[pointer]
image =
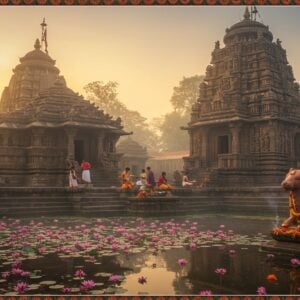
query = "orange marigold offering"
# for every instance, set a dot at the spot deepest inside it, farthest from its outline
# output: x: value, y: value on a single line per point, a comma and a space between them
x: 272, y: 278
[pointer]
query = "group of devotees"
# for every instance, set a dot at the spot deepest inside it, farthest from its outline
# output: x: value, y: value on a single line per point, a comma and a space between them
x: 145, y: 185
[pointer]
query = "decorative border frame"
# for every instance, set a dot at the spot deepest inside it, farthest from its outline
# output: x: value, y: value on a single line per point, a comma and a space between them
x: 149, y: 2
x: 86, y: 297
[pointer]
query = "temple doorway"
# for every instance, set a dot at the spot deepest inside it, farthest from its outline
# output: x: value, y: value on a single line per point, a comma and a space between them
x: 223, y: 145
x: 79, y: 150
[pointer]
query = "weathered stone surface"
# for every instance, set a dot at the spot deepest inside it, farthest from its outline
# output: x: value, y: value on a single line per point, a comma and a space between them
x: 45, y: 127
x: 245, y: 125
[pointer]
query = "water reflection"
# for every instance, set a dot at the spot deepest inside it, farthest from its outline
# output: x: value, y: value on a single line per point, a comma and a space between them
x: 234, y: 247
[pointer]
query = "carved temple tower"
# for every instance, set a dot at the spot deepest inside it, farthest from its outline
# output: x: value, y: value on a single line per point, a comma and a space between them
x: 245, y: 125
x: 44, y: 124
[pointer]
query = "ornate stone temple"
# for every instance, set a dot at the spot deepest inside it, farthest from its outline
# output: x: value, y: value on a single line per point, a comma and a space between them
x: 245, y: 125
x: 134, y: 155
x: 44, y: 124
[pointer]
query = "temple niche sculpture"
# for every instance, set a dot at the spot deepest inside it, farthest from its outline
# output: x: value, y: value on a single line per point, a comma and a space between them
x: 245, y: 125
x: 44, y: 124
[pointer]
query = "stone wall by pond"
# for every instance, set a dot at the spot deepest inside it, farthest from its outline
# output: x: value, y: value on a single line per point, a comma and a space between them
x: 272, y: 201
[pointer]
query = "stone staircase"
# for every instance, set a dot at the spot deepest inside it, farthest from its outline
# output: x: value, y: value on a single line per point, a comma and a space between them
x: 102, y: 178
x: 99, y: 201
x: 35, y: 202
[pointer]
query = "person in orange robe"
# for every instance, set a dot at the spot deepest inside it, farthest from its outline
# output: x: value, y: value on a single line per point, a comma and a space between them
x: 126, y: 183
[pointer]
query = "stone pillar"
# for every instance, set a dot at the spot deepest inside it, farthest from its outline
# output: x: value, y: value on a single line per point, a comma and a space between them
x: 100, y: 149
x: 71, y: 132
x: 37, y: 135
x: 235, y: 132
x: 272, y: 134
x: 204, y: 146
x: 192, y: 142
x: 5, y: 134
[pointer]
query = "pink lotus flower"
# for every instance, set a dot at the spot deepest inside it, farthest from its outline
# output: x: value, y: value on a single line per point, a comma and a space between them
x: 87, y: 285
x: 261, y: 290
x: 220, y: 271
x: 16, y: 271
x: 115, y: 278
x: 15, y: 254
x: 79, y: 273
x: 295, y: 261
x: 182, y: 262
x: 114, y: 246
x: 5, y: 274
x: 222, y: 226
x: 155, y: 239
x: 16, y: 264
x: 21, y: 287
x: 205, y: 293
x: 193, y: 246
x: 65, y: 290
x: 25, y: 274
x: 41, y: 250
x: 142, y: 280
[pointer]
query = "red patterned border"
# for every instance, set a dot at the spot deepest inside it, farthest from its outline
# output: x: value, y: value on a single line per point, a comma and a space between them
x: 149, y: 2
x: 86, y: 297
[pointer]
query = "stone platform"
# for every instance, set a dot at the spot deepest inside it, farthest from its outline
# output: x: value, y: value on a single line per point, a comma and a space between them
x: 278, y: 247
x: 154, y: 206
x: 110, y: 201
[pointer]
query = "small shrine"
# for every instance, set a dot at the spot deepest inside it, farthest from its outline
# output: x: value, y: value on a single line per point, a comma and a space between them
x: 134, y: 155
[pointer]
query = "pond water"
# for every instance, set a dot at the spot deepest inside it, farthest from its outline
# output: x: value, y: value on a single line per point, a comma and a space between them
x: 208, y: 254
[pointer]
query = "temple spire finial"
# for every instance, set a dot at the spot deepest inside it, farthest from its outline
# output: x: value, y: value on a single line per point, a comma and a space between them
x: 37, y: 44
x: 246, y: 14
x: 44, y: 35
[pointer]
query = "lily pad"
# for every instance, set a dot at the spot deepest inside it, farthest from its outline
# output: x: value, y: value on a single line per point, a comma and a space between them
x: 103, y: 274
x: 33, y: 287
x: 56, y: 287
x: 48, y: 282
x: 97, y: 292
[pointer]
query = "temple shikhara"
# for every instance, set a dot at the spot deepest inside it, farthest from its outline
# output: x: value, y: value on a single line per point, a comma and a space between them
x: 245, y: 125
x: 44, y: 125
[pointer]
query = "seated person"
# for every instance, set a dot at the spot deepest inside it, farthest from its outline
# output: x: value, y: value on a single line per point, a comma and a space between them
x: 203, y: 183
x: 126, y: 183
x: 142, y: 182
x: 163, y: 183
x: 186, y: 182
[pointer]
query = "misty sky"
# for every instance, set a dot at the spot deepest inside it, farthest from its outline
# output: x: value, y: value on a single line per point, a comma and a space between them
x: 147, y: 50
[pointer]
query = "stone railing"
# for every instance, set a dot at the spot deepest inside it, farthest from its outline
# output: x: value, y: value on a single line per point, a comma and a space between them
x: 234, y: 161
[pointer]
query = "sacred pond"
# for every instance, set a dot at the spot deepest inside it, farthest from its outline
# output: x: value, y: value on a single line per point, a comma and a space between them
x: 192, y: 255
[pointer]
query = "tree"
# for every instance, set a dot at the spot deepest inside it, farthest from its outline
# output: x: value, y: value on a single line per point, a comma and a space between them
x: 184, y: 96
x: 105, y: 96
x: 186, y: 93
x: 173, y: 138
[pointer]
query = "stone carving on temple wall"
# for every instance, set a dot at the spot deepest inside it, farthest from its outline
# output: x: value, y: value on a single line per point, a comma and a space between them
x: 225, y: 84
x: 197, y: 143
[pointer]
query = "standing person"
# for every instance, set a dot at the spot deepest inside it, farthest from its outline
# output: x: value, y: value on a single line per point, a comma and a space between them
x: 86, y: 174
x: 163, y: 182
x: 126, y: 183
x: 73, y: 184
x: 150, y: 179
